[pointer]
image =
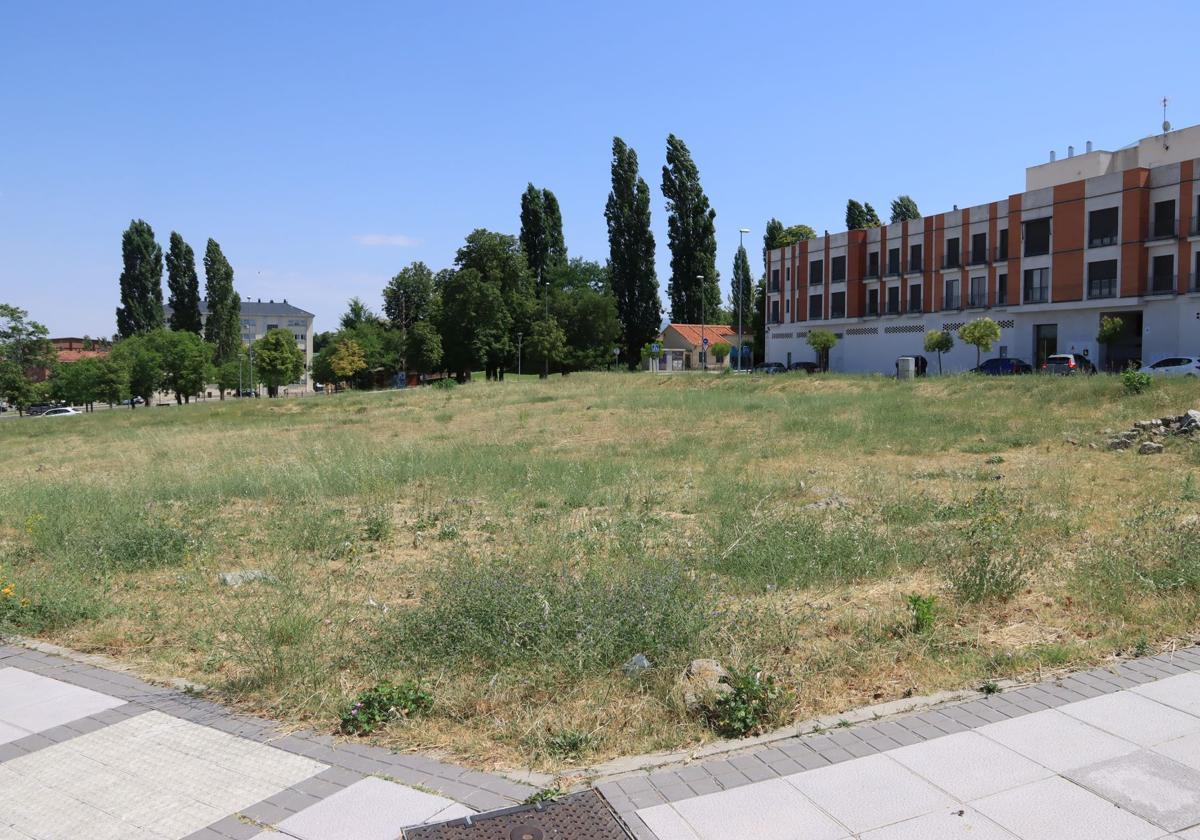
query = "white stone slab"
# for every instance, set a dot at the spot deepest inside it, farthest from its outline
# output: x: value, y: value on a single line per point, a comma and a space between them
x: 135, y: 780
x: 959, y: 824
x: 370, y: 809
x: 1055, y: 809
x: 770, y: 810
x: 1150, y: 785
x: 666, y: 823
x: 1055, y: 740
x: 455, y: 812
x: 1184, y: 750
x: 870, y: 792
x: 968, y: 765
x: 31, y: 703
x: 1134, y: 718
x: 1180, y: 692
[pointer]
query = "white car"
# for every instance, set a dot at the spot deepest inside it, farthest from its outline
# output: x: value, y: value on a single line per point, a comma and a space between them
x: 61, y: 412
x: 1174, y: 366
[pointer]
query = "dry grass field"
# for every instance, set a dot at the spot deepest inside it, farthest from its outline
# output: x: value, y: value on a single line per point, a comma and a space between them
x: 510, y: 545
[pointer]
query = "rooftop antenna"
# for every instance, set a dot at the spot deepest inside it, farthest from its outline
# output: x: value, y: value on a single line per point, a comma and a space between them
x: 1166, y: 124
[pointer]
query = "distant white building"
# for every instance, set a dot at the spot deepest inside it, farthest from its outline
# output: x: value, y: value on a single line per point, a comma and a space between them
x: 259, y: 318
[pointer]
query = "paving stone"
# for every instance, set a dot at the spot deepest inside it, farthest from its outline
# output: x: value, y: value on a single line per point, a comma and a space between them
x: 870, y: 792
x: 1150, y: 785
x: 1056, y: 740
x: 1185, y: 750
x: 32, y: 703
x: 371, y: 809
x: 956, y: 824
x: 706, y: 785
x: 771, y: 810
x: 667, y: 824
x: 1134, y: 717
x: 1180, y: 692
x: 969, y: 766
x: 1055, y: 809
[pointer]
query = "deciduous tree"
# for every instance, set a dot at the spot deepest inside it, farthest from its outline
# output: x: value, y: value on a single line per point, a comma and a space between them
x: 347, y: 360
x: 184, y: 362
x: 939, y: 341
x: 408, y: 296
x: 141, y: 281
x: 546, y: 342
x: 694, y: 287
x: 631, y: 255
x: 183, y: 286
x: 277, y: 360
x: 423, y: 347
x: 822, y: 341
x: 981, y: 334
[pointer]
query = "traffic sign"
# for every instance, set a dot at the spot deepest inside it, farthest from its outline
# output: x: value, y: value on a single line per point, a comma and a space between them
x: 705, y: 342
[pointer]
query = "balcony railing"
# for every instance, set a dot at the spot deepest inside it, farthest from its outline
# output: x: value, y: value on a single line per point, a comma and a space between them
x: 893, y: 269
x: 1163, y: 231
x: 894, y: 309
x: 977, y: 301
x: 1162, y: 284
x: 978, y: 258
x: 1195, y: 231
x: 1037, y: 294
x: 1102, y: 289
x: 952, y: 261
x: 951, y: 302
x: 1000, y: 255
x: 914, y: 266
x: 1101, y: 241
x: 873, y: 272
x: 872, y: 310
x: 1194, y: 282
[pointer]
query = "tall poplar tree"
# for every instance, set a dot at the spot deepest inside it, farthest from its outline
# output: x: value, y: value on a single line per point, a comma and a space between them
x: 740, y: 290
x: 904, y: 208
x: 691, y: 233
x: 223, y: 327
x: 141, y: 281
x: 183, y: 287
x: 631, y: 255
x: 556, y: 246
x: 533, y: 229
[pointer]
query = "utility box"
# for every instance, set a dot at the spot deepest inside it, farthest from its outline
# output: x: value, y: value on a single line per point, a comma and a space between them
x: 906, y: 367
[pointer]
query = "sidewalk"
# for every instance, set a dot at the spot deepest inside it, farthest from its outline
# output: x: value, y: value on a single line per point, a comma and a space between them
x: 88, y: 753
x: 1108, y: 754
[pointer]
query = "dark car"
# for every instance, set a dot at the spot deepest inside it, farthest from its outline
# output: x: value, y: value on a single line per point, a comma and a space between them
x: 770, y: 367
x: 807, y: 367
x: 1067, y: 363
x: 1004, y: 367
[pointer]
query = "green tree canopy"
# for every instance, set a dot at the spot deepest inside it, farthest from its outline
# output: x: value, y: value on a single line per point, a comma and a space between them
x: 981, y: 333
x: 347, y: 360
x: 498, y: 261
x: 24, y: 348
x: 139, y: 356
x: 904, y: 208
x: 1111, y: 330
x: 873, y: 220
x: 183, y: 286
x: 859, y: 216
x: 408, y: 296
x: 423, y: 347
x: 740, y: 290
x: 822, y: 341
x: 357, y: 313
x: 939, y: 341
x: 631, y: 270
x: 223, y: 328
x: 475, y: 324
x: 694, y: 288
x: 184, y: 362
x: 141, y: 281
x: 585, y: 309
x: 546, y: 342
x: 278, y: 360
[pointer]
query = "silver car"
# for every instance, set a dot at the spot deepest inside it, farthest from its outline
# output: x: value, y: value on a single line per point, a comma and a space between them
x: 1174, y: 366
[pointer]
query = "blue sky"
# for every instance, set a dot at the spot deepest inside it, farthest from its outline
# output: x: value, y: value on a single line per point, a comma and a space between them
x: 326, y: 146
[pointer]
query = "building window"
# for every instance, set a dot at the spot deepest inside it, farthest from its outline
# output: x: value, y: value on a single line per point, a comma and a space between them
x: 873, y: 264
x: 1037, y: 285
x: 893, y: 300
x: 1002, y: 248
x: 774, y: 312
x: 872, y: 301
x: 978, y: 292
x: 787, y: 306
x: 774, y: 279
x: 1037, y: 237
x: 914, y: 298
x: 1102, y: 227
x: 1162, y: 275
x: 1164, y: 220
x: 249, y: 322
x: 950, y: 300
x: 893, y: 266
x: 837, y: 305
x: 816, y: 273
x: 837, y: 270
x: 953, y: 253
x: 815, y: 303
x: 978, y: 248
x: 1102, y: 279
x: 1002, y: 290
x: 914, y: 258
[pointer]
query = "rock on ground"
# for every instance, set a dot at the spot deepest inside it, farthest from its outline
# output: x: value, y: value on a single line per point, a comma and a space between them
x: 702, y: 680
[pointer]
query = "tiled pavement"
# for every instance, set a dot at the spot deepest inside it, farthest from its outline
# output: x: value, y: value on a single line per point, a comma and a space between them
x: 1107, y: 754
x: 87, y: 752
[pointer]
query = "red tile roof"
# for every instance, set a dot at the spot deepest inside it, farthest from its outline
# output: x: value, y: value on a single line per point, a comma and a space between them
x: 713, y: 332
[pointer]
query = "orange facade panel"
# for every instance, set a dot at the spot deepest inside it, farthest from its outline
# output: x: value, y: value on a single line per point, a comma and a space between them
x: 1068, y: 226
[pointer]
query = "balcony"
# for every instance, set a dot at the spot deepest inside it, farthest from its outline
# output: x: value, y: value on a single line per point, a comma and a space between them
x: 914, y: 266
x: 978, y: 258
x: 893, y: 270
x: 873, y: 272
x: 1037, y: 294
x: 1000, y: 255
x: 1162, y: 284
x: 951, y: 302
x: 872, y: 309
x: 1195, y: 231
x: 952, y: 261
x: 1106, y: 288
x: 1194, y: 283
x: 893, y: 309
x: 1163, y: 230
x: 977, y: 301
x: 1104, y: 239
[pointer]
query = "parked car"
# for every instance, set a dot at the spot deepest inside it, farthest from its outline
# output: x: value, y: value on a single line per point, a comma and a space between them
x: 770, y: 367
x: 1174, y: 366
x: 807, y: 367
x: 1004, y: 367
x: 38, y: 409
x: 1065, y: 363
x: 60, y: 412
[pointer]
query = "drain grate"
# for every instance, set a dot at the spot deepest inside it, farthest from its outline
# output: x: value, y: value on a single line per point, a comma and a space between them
x: 580, y: 816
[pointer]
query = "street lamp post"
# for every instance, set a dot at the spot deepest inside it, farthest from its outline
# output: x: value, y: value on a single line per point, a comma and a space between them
x: 741, y: 297
x: 519, y: 353
x: 703, y: 346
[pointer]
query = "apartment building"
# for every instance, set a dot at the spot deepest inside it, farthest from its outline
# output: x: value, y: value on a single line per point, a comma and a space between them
x: 1095, y: 234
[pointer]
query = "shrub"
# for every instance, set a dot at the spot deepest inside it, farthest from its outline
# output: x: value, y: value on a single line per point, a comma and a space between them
x: 377, y: 523
x: 386, y: 703
x: 1135, y: 381
x: 445, y: 384
x: 923, y: 611
x: 746, y: 708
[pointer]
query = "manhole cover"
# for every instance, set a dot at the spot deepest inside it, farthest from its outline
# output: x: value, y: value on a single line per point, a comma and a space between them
x: 580, y: 816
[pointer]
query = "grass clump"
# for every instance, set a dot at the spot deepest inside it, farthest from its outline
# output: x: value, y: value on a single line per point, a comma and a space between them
x: 384, y: 704
x: 751, y: 703
x: 984, y: 560
x: 922, y: 610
